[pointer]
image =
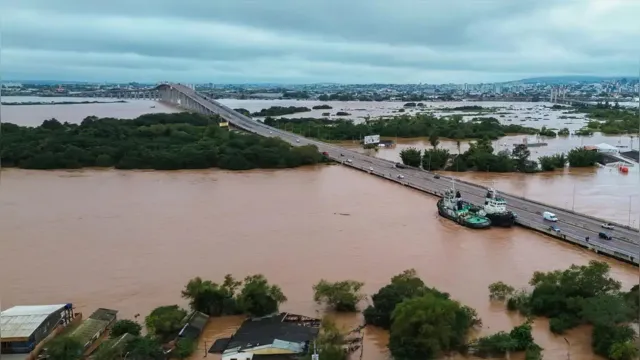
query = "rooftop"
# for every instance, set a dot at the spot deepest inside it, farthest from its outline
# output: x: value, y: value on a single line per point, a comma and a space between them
x: 194, y: 326
x: 96, y: 323
x: 22, y: 321
x: 280, y: 329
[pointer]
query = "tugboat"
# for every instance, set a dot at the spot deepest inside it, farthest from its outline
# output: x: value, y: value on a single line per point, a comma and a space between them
x: 495, y: 209
x: 452, y: 207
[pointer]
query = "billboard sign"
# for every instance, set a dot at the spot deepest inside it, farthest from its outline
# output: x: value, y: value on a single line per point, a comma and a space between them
x: 371, y: 139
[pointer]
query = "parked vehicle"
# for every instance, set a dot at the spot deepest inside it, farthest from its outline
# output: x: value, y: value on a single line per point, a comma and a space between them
x: 549, y: 216
x: 604, y: 236
x: 608, y: 226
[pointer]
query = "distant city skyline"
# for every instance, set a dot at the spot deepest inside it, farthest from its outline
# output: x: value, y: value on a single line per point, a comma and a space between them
x: 314, y: 41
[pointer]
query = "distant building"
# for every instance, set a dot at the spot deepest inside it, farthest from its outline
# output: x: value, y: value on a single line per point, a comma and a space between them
x: 24, y: 327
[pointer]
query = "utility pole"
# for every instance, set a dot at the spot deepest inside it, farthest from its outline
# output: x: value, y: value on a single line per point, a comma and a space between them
x: 573, y: 201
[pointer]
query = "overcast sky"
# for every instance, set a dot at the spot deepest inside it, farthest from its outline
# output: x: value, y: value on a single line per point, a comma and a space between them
x: 303, y: 41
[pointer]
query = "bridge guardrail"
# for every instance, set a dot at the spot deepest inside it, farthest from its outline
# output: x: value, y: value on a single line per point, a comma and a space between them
x: 542, y: 228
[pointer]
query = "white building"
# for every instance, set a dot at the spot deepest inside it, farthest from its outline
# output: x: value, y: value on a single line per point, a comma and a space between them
x: 606, y: 148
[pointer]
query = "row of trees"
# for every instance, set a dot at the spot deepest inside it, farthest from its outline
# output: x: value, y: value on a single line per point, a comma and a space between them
x: 253, y: 296
x: 405, y: 126
x: 152, y: 141
x: 480, y: 157
x: 580, y: 295
x: 423, y: 322
x: 282, y: 110
x: 611, y: 119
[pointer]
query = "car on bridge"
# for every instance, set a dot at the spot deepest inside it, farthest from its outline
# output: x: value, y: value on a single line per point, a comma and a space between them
x: 604, y: 236
x: 554, y: 228
x: 609, y: 226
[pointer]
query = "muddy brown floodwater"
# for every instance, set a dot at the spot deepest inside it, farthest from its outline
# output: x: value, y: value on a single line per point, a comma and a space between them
x: 130, y: 240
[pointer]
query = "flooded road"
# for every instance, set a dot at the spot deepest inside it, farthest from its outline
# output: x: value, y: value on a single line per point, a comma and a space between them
x: 130, y: 240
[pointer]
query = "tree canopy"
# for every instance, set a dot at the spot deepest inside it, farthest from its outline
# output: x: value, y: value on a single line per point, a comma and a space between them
x: 404, y: 126
x: 428, y: 326
x: 258, y: 297
x: 125, y: 326
x: 584, y: 294
x: 403, y: 286
x: 152, y: 141
x: 164, y: 322
x: 253, y: 296
x: 341, y: 295
x: 65, y: 348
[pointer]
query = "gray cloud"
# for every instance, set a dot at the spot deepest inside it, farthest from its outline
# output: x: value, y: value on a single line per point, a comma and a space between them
x: 297, y: 41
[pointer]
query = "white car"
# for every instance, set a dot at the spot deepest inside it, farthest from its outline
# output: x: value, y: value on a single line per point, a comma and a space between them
x: 297, y: 140
x: 270, y: 132
x: 370, y: 169
x: 608, y: 226
x: 400, y: 176
x: 349, y: 161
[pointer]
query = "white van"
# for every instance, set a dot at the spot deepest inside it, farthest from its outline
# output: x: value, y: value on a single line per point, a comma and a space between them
x: 549, y: 216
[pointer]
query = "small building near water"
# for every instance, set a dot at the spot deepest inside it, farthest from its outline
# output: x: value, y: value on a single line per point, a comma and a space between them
x: 606, y: 148
x: 94, y: 327
x: 22, y: 328
x: 279, y: 336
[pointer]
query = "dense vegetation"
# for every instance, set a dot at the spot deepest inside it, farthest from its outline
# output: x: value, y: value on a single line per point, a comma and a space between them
x: 503, y: 343
x: 424, y: 323
x: 580, y: 295
x: 322, y: 107
x: 254, y: 296
x: 152, y: 141
x: 611, y: 119
x: 405, y: 126
x: 480, y: 157
x: 281, y: 110
x: 340, y: 296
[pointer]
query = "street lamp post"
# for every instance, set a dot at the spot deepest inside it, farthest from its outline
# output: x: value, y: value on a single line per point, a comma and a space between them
x: 573, y: 200
x: 568, y: 348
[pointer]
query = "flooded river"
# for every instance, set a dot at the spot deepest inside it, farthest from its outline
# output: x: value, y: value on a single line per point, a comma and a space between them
x: 130, y: 240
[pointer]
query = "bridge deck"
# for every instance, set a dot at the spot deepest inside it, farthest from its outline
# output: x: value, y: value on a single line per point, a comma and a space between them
x: 576, y: 227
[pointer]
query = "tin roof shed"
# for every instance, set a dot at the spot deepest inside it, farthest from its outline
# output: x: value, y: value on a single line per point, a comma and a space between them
x: 21, y: 321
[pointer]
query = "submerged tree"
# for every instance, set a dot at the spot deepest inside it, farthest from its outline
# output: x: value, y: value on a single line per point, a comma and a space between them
x: 341, y: 295
x: 258, y: 297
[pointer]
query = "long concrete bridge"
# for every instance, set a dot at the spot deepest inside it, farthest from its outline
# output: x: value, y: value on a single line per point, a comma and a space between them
x: 575, y: 227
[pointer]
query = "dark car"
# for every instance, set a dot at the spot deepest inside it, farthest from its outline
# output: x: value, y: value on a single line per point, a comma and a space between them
x: 554, y: 228
x: 436, y: 176
x: 401, y: 166
x: 604, y: 236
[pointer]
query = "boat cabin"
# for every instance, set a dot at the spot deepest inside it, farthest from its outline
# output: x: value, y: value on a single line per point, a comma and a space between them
x: 493, y: 201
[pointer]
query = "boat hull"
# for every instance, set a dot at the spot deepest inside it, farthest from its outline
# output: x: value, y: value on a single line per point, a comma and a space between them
x: 505, y: 220
x: 442, y: 211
